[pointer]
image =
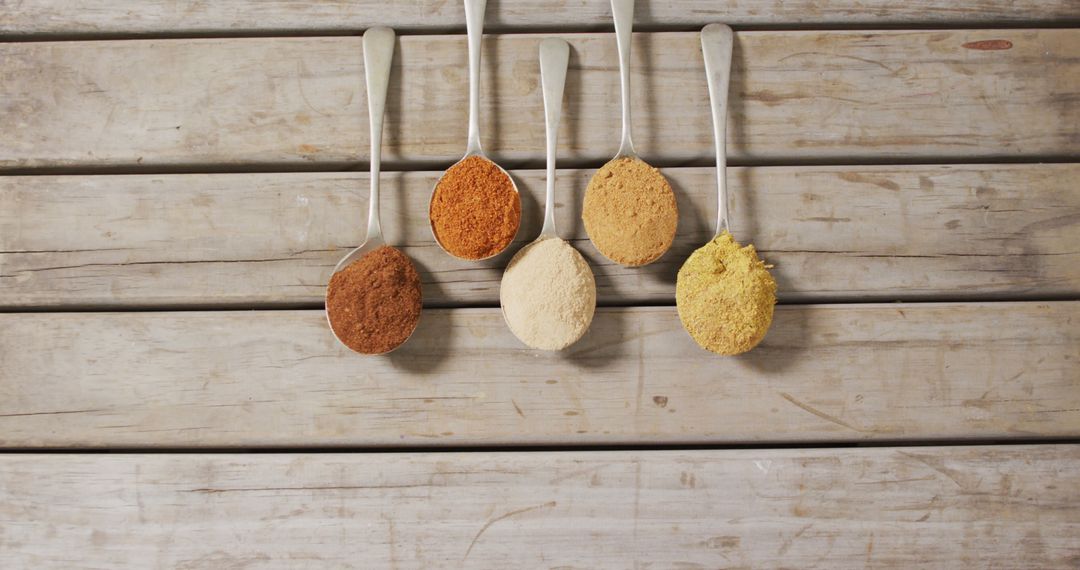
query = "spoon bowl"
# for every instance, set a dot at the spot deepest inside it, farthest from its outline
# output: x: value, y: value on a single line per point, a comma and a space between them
x: 431, y: 202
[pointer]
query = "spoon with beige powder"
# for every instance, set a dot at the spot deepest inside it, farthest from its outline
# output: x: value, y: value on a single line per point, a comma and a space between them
x: 629, y: 212
x: 724, y: 292
x: 548, y: 293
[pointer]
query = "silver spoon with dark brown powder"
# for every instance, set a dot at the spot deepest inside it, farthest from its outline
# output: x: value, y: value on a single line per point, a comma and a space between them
x: 373, y: 300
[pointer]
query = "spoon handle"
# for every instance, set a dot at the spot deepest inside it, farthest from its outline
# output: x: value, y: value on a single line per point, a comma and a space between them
x: 378, y: 53
x: 474, y: 25
x: 716, y: 44
x: 623, y: 13
x: 554, y: 57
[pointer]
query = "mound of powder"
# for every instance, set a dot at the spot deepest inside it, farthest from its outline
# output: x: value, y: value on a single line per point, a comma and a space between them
x: 373, y: 304
x: 548, y: 295
x: 725, y: 296
x: 630, y: 212
x: 475, y: 211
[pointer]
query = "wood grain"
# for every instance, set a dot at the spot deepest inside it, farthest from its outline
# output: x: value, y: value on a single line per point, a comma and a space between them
x: 259, y: 240
x: 298, y: 102
x: 824, y: 373
x: 926, y: 507
x: 33, y: 17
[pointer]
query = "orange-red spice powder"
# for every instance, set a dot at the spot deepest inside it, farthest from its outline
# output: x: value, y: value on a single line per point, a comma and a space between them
x: 475, y: 210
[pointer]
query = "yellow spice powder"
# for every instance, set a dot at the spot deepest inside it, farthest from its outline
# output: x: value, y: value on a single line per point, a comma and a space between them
x: 630, y: 212
x: 725, y: 296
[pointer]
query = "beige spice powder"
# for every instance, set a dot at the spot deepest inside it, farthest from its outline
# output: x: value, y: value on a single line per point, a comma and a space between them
x: 548, y: 294
x: 630, y: 212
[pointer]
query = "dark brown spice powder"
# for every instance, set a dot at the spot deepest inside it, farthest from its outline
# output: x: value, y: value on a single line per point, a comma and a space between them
x: 475, y: 211
x: 374, y: 303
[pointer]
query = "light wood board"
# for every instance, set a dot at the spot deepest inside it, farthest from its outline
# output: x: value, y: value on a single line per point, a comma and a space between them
x: 31, y: 17
x: 298, y: 102
x: 907, y: 232
x: 832, y: 232
x: 98, y: 211
x: 999, y: 507
x: 824, y: 373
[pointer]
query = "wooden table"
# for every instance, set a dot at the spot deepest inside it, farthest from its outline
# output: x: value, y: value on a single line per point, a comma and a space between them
x: 177, y: 180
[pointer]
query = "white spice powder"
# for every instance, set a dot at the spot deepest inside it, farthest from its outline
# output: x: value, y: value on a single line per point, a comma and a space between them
x: 548, y: 295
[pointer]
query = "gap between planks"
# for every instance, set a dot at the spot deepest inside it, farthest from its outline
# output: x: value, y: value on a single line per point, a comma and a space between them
x: 575, y: 448
x: 226, y: 307
x: 12, y: 37
x: 54, y: 18
x: 393, y: 167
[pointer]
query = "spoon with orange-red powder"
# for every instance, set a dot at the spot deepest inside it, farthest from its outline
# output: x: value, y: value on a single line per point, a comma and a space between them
x: 475, y: 208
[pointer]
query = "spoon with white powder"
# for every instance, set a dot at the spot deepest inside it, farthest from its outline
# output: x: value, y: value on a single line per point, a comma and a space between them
x: 548, y: 293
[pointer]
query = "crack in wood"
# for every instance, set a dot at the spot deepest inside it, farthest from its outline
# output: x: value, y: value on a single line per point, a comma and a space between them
x: 52, y: 413
x: 505, y: 516
x: 212, y: 490
x: 822, y: 414
x: 127, y: 263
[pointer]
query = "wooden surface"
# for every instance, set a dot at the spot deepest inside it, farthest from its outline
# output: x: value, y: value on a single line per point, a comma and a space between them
x: 907, y: 232
x: 152, y: 158
x: 167, y: 17
x: 297, y: 102
x: 999, y: 507
x: 824, y: 373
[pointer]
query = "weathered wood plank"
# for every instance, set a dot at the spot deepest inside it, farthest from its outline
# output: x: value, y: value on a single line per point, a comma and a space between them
x: 298, y: 101
x: 824, y: 373
x: 884, y: 233
x: 31, y: 17
x: 926, y: 507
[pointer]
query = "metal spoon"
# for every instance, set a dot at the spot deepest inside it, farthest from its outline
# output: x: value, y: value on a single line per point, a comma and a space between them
x: 554, y: 57
x: 378, y: 54
x: 704, y: 287
x: 474, y: 24
x: 717, y: 41
x: 616, y: 247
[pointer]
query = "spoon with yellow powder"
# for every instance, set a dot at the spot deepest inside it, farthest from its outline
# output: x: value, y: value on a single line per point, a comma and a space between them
x: 724, y: 292
x: 629, y: 211
x: 548, y: 293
